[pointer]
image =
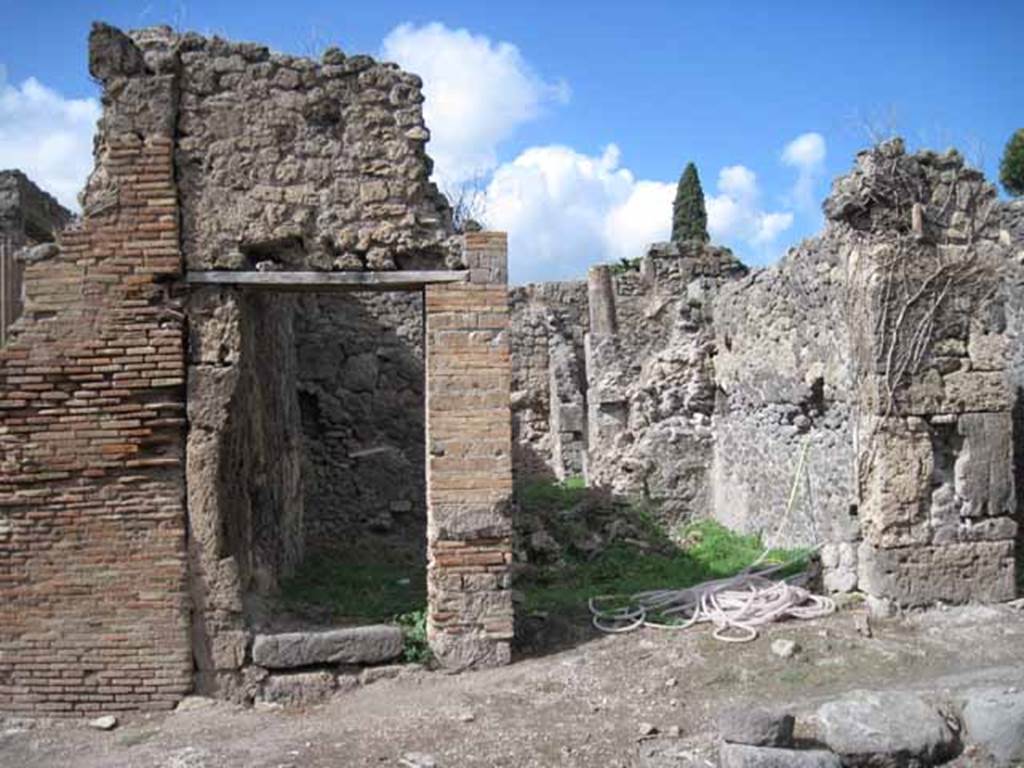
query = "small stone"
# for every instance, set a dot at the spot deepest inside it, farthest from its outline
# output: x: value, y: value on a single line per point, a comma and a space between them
x: 673, y: 732
x: 746, y: 756
x: 757, y: 727
x: 418, y: 760
x: 784, y: 648
x: 647, y: 729
x: 104, y: 723
x: 466, y: 716
x: 671, y: 683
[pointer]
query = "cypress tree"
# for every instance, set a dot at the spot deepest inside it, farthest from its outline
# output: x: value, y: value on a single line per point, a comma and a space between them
x: 1011, y: 169
x: 689, y: 217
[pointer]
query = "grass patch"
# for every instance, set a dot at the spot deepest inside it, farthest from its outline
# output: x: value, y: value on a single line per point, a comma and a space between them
x: 558, y: 495
x: 708, y: 551
x: 350, y: 587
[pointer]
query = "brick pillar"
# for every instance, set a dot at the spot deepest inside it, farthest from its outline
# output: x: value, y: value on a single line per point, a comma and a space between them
x: 469, y: 465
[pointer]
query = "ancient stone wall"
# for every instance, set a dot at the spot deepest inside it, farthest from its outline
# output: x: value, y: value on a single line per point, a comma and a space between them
x: 549, y: 321
x: 784, y: 406
x: 94, y: 612
x: 929, y: 276
x: 245, y: 494
x: 360, y: 384
x: 28, y: 217
x: 650, y: 382
x: 317, y: 165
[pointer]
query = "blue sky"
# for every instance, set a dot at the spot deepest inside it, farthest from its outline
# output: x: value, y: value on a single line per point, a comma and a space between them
x: 581, y: 115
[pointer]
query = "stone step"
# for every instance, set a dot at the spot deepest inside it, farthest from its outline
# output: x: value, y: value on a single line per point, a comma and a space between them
x: 352, y: 645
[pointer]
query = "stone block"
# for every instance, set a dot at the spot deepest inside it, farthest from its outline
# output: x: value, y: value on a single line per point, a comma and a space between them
x: 888, y: 728
x: 298, y: 688
x: 958, y: 573
x: 994, y: 719
x: 756, y: 726
x: 745, y: 756
x: 356, y: 645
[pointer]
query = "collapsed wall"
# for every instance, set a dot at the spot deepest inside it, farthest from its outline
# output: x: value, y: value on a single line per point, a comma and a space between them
x: 859, y: 396
x: 28, y: 217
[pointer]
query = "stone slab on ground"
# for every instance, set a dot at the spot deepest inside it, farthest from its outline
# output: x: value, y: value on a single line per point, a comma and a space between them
x: 746, y: 756
x: 296, y: 688
x: 355, y: 645
x: 756, y: 726
x: 888, y: 728
x: 994, y: 719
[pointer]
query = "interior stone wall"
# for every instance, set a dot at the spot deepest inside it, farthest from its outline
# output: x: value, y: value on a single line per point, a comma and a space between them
x: 245, y: 488
x: 785, y: 405
x: 360, y: 388
x: 650, y: 378
x: 549, y: 322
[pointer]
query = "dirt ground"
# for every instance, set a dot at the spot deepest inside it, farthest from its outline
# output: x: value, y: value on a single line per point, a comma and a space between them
x: 584, y: 705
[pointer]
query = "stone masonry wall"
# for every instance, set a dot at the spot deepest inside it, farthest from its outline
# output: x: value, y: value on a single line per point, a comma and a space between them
x: 93, y: 606
x: 650, y: 382
x: 28, y: 217
x: 360, y: 381
x: 245, y: 494
x: 549, y: 321
x: 784, y: 407
x: 314, y: 165
x: 930, y: 273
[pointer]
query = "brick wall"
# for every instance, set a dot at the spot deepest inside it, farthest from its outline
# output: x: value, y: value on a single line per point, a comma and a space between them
x: 469, y: 474
x: 93, y: 613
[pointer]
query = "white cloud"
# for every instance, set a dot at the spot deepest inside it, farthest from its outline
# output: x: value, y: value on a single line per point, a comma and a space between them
x: 477, y: 92
x: 735, y: 214
x: 47, y: 136
x: 805, y: 153
x: 564, y: 210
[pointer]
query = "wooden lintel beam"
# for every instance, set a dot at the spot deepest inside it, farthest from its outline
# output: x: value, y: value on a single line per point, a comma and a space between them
x: 398, y: 280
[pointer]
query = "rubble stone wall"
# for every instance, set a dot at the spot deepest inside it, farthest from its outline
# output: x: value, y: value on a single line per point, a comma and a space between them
x: 360, y: 383
x: 245, y: 494
x: 549, y: 321
x: 28, y: 217
x: 784, y: 407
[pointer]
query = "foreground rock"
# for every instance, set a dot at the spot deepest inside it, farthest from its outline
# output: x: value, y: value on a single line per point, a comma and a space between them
x: 994, y: 720
x: 756, y: 727
x: 746, y: 756
x: 355, y: 645
x: 886, y: 729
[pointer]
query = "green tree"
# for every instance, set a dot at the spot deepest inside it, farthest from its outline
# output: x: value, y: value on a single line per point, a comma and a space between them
x: 1011, y: 169
x: 689, y: 217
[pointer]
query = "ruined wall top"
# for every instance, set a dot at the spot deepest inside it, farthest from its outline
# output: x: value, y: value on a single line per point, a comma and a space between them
x: 27, y: 211
x: 303, y: 164
x: 933, y: 196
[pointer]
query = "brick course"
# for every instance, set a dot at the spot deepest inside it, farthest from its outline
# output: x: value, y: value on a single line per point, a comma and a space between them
x: 93, y: 613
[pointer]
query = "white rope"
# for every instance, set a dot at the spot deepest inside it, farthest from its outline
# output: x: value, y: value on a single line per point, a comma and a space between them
x: 737, y: 606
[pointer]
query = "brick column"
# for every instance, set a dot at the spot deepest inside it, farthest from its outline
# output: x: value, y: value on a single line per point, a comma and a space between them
x: 469, y: 466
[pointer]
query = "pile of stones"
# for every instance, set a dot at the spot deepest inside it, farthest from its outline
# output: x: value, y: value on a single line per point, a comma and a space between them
x: 889, y: 729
